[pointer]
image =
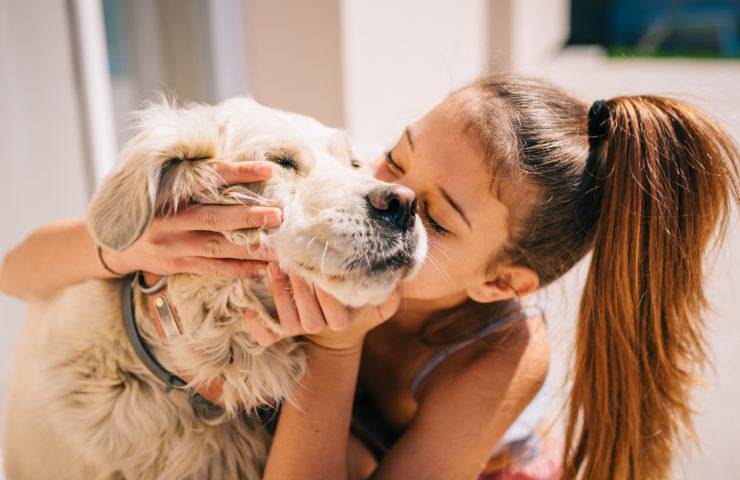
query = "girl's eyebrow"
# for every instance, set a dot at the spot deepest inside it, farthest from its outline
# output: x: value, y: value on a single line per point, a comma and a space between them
x: 455, y: 206
x: 407, y: 133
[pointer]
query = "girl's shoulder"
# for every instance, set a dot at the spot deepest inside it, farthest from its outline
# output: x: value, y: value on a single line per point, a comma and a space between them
x: 517, y: 359
x: 473, y: 401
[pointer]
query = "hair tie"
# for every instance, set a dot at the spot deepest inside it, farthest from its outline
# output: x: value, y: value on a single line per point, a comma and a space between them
x: 598, y: 127
x: 598, y: 120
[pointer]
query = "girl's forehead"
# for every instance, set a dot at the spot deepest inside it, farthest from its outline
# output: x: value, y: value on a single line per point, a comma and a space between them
x: 452, y: 161
x: 439, y: 140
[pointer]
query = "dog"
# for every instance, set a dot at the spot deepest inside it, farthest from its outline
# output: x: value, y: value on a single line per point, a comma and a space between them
x: 83, y: 403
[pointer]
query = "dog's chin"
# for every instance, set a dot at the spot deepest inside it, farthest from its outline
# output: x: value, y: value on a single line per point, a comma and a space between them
x: 359, y: 281
x: 357, y: 293
x: 371, y: 285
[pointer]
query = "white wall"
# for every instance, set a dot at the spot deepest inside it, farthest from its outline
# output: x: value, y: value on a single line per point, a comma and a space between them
x: 294, y: 54
x: 539, y: 29
x: 400, y: 58
x: 43, y: 175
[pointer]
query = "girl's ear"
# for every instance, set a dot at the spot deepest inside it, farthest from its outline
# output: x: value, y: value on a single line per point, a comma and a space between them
x: 508, y: 282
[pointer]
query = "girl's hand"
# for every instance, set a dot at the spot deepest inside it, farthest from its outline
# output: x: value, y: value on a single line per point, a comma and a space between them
x: 316, y: 314
x: 190, y: 242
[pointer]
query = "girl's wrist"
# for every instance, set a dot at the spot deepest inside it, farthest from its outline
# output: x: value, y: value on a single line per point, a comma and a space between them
x: 112, y: 262
x: 334, y: 347
x: 104, y: 260
x: 109, y: 265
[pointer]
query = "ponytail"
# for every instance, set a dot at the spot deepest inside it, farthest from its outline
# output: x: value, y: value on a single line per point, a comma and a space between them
x: 647, y: 188
x: 664, y: 179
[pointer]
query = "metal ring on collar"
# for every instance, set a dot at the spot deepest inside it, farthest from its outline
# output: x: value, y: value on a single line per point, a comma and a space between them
x: 154, y: 288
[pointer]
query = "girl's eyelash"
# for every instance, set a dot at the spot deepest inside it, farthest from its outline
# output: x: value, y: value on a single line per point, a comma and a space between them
x: 389, y: 160
x: 424, y: 211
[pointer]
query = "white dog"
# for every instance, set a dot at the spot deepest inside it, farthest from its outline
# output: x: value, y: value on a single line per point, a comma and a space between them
x: 84, y: 404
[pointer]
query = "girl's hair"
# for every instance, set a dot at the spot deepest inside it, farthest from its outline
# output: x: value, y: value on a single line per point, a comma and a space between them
x: 647, y: 196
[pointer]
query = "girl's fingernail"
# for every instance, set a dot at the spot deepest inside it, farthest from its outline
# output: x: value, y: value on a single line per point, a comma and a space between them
x: 272, y: 219
x: 263, y: 169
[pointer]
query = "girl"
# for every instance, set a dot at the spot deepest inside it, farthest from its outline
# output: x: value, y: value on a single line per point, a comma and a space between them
x: 516, y: 181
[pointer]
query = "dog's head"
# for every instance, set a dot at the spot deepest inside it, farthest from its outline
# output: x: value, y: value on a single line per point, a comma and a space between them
x: 354, y: 236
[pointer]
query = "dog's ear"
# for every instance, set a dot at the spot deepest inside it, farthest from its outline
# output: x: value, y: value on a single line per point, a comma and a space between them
x: 163, y: 165
x: 123, y: 205
x: 340, y: 146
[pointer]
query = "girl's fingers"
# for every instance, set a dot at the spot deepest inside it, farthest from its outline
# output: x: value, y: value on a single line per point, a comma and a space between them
x: 220, y: 267
x: 257, y: 329
x: 337, y: 315
x: 218, y: 218
x: 281, y: 295
x: 309, y: 311
x: 214, y: 245
x: 260, y: 252
x: 242, y: 172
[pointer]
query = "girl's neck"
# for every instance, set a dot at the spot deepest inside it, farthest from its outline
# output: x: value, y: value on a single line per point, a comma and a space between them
x: 414, y: 313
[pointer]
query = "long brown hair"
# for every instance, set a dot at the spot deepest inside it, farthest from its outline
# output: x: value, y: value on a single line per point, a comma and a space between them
x: 647, y: 197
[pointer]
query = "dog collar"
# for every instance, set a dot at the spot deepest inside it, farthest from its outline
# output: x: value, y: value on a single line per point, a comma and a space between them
x: 167, y: 325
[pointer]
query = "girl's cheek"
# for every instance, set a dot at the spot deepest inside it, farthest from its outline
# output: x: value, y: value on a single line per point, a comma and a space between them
x: 383, y: 174
x: 377, y: 165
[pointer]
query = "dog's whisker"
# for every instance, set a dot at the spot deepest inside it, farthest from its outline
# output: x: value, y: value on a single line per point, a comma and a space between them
x: 441, y: 270
x: 323, y: 257
x: 439, y: 245
x: 442, y: 248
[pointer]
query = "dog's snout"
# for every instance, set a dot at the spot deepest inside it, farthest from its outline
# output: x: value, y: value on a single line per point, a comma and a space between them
x: 395, y: 204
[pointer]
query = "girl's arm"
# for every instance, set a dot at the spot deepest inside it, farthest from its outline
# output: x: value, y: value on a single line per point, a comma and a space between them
x: 52, y: 257
x: 63, y: 253
x: 312, y: 434
x: 464, y: 409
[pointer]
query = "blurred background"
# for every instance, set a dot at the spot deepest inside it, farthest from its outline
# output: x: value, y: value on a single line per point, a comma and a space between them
x: 71, y: 71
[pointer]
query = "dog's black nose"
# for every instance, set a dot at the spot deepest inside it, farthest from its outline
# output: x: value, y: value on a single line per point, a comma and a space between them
x: 395, y: 204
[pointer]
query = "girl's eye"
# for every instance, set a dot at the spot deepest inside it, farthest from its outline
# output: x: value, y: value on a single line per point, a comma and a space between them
x: 436, y: 227
x: 392, y: 163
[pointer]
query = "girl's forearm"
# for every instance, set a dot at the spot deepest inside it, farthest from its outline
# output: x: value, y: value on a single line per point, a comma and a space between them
x: 312, y: 436
x: 51, y: 258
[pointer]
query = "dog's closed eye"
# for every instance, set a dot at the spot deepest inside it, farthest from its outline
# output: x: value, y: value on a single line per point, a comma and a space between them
x: 286, y: 162
x: 286, y: 159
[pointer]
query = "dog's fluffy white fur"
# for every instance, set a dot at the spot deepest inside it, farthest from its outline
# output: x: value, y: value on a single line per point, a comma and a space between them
x: 82, y: 405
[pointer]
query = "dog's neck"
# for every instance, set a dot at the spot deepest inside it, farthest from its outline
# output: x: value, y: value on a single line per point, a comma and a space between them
x: 213, y: 347
x: 169, y: 327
